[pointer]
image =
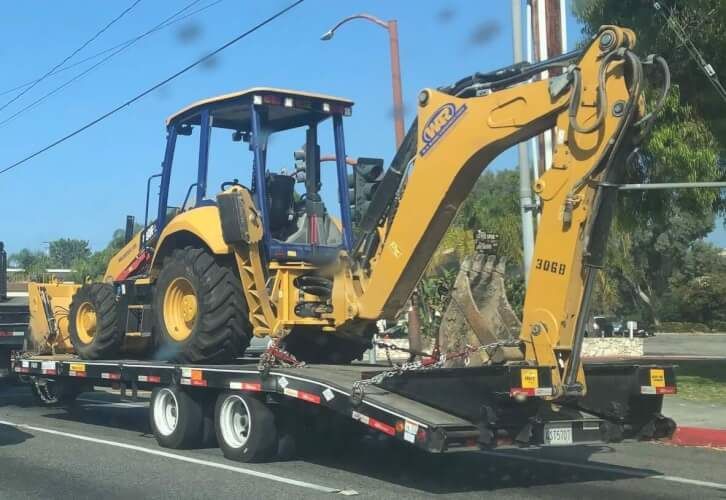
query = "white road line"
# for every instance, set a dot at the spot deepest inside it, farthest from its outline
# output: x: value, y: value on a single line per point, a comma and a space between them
x: 182, y: 458
x: 617, y: 469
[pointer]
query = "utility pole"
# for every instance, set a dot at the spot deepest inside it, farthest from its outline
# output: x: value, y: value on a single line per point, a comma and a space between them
x: 525, y: 182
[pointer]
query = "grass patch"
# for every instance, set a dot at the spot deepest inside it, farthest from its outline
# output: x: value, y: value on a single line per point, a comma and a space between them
x: 702, y: 380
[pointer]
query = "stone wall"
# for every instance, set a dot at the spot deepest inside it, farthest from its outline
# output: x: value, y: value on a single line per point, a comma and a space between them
x: 591, y: 348
x: 609, y: 347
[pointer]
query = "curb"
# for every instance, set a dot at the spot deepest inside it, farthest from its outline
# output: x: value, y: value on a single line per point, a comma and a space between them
x: 699, y: 436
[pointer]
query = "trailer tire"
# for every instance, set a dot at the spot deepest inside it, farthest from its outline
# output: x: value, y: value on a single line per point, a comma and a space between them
x: 245, y: 427
x: 176, y: 418
x: 200, y: 312
x: 56, y: 392
x: 93, y: 322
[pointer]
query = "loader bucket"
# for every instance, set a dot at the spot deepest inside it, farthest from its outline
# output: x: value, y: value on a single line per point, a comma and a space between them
x: 49, y: 304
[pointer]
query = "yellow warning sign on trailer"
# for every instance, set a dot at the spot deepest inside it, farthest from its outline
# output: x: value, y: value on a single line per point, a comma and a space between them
x: 530, y: 379
x: 657, y: 377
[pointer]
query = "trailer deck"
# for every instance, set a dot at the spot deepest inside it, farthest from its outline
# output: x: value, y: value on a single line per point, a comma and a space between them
x: 431, y: 410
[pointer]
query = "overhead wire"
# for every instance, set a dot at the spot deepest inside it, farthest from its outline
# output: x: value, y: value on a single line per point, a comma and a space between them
x: 153, y: 87
x: 170, y: 21
x: 94, y: 66
x: 76, y: 51
x: 693, y: 51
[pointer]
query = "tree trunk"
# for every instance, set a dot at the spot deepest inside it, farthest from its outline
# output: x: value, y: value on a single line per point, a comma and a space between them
x: 479, y: 312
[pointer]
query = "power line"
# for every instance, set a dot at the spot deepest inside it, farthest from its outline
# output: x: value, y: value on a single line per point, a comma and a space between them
x: 692, y: 50
x: 91, y: 68
x: 154, y: 87
x: 84, y: 45
x: 110, y: 49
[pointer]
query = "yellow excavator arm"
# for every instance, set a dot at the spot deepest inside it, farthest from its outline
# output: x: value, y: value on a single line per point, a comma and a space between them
x: 593, y: 107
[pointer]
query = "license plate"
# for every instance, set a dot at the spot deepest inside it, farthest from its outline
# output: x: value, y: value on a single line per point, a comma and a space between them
x: 558, y: 434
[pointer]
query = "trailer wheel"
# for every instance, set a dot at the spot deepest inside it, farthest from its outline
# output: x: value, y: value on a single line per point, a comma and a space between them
x: 200, y: 309
x: 176, y: 418
x: 245, y: 428
x: 93, y: 325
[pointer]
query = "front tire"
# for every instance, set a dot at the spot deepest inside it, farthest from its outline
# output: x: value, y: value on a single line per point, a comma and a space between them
x: 93, y: 322
x: 200, y: 310
x: 245, y: 428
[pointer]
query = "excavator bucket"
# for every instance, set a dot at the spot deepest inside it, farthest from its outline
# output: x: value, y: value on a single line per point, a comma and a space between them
x: 479, y: 312
x: 49, y: 305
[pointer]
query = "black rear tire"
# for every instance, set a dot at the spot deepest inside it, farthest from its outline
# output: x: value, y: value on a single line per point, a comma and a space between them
x: 176, y: 418
x: 313, y: 346
x: 245, y: 427
x: 221, y: 329
x: 107, y: 338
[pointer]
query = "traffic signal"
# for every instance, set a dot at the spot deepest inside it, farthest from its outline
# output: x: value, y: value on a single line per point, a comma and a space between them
x: 362, y: 184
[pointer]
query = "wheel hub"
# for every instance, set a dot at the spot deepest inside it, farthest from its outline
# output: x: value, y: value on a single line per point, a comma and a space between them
x: 166, y: 412
x: 235, y: 422
x: 86, y: 322
x: 180, y: 309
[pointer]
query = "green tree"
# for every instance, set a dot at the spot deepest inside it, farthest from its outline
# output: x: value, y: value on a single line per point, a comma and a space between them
x: 703, y: 21
x: 64, y: 251
x: 655, y: 230
x: 697, y: 291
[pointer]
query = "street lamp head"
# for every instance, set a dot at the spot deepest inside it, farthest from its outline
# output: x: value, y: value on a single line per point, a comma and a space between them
x: 327, y: 35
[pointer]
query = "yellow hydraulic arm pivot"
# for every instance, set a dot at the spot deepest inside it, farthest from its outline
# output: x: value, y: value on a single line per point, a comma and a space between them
x: 592, y: 107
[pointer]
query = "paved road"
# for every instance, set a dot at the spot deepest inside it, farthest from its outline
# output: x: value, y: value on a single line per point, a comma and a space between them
x: 687, y: 344
x: 102, y: 448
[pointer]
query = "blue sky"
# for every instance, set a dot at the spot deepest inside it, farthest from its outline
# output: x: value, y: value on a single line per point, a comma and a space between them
x: 85, y: 187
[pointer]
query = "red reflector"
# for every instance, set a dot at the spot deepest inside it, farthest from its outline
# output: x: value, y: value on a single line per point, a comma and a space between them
x: 154, y: 379
x: 421, y: 435
x: 666, y: 390
x: 378, y: 425
x: 272, y: 99
x: 4, y: 333
x: 521, y: 391
x: 199, y: 383
x: 49, y: 372
x: 310, y: 398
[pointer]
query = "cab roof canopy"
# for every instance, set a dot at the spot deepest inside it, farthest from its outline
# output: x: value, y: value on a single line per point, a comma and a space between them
x: 284, y: 109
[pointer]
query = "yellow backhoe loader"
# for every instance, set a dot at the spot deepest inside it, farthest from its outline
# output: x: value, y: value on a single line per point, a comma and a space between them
x: 277, y: 257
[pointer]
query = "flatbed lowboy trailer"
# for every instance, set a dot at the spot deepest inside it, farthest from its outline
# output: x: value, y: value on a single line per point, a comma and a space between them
x: 437, y: 410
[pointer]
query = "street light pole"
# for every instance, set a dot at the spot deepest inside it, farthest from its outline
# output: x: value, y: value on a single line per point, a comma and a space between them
x: 396, y: 80
x: 392, y: 28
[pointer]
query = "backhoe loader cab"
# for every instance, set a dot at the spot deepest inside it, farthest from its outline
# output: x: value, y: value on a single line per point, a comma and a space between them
x: 297, y: 224
x: 223, y: 264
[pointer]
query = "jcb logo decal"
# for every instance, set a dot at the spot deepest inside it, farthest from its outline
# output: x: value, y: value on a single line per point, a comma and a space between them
x: 438, y: 123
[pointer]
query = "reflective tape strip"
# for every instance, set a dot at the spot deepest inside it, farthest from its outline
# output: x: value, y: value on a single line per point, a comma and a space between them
x: 154, y: 379
x: 647, y: 389
x: 111, y: 376
x: 193, y: 382
x: 246, y: 386
x: 49, y: 372
x: 375, y: 424
x: 530, y: 391
x: 305, y: 396
x: 77, y: 374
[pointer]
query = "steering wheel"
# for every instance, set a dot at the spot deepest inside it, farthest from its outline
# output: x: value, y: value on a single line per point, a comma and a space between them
x: 227, y: 184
